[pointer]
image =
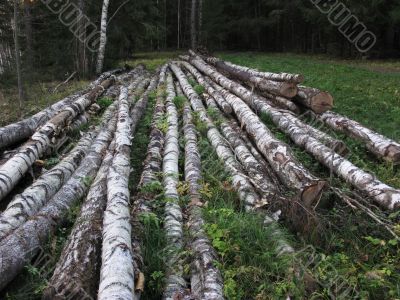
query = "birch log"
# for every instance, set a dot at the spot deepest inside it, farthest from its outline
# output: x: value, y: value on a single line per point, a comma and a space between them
x: 278, y: 154
x: 295, y: 78
x: 117, y: 274
x: 78, y: 268
x: 284, y: 89
x: 209, y: 89
x: 19, y: 248
x: 175, y: 283
x: 15, y: 168
x: 316, y: 100
x: 381, y: 193
x: 152, y: 164
x: 206, y: 279
x: 252, y: 167
x: 282, y: 102
x: 151, y: 169
x: 22, y: 130
x: 386, y: 196
x: 38, y: 194
x: 259, y: 103
x: 378, y: 144
x: 256, y: 153
x: 240, y: 181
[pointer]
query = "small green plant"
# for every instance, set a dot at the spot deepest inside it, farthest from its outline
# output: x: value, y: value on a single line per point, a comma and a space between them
x: 199, y: 89
x: 51, y: 162
x: 104, y: 102
x: 154, y: 187
x: 162, y: 124
x: 179, y: 102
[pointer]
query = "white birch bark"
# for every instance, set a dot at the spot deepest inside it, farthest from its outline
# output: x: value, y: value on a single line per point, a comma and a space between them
x: 295, y: 78
x: 77, y: 270
x: 175, y: 283
x: 206, y: 279
x: 378, y: 144
x: 386, y: 196
x: 284, y: 89
x: 381, y: 193
x: 282, y: 102
x: 240, y: 182
x: 22, y: 130
x: 103, y: 36
x: 117, y: 274
x: 15, y: 168
x: 17, y: 249
x: 153, y: 161
x: 209, y: 89
x: 279, y: 155
x: 36, y: 196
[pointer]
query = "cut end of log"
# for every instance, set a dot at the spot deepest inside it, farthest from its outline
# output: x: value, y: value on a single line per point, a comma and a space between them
x: 312, y: 194
x: 286, y: 89
x: 322, y: 102
x: 393, y: 154
x: 289, y: 90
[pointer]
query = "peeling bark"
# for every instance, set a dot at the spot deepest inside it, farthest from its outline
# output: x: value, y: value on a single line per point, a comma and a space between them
x: 386, y: 196
x: 279, y: 155
x: 295, y: 78
x: 22, y: 130
x: 284, y: 89
x: 40, y: 192
x: 79, y: 262
x: 282, y: 102
x: 206, y: 279
x: 209, y: 89
x: 240, y: 182
x: 378, y: 144
x: 153, y: 161
x: 117, y: 274
x: 175, y: 283
x: 14, y: 169
x: 19, y: 248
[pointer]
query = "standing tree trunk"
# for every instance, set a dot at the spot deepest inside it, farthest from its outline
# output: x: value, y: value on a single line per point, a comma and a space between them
x: 17, y: 57
x: 193, y: 25
x: 103, y: 37
x: 28, y: 34
x: 200, y: 23
x: 179, y: 25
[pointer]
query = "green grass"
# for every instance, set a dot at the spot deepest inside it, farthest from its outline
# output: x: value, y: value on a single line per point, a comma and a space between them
x: 151, y: 60
x: 38, y: 97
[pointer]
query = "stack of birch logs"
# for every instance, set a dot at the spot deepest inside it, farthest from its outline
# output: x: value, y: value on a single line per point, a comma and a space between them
x: 102, y: 257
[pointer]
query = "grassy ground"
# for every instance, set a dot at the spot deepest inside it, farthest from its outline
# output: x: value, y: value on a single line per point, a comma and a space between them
x: 38, y: 96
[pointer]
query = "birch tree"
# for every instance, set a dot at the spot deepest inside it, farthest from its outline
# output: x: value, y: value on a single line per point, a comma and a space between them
x: 103, y: 37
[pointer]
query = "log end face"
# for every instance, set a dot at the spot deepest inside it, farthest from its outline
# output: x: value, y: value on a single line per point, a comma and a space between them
x: 312, y: 193
x: 288, y: 90
x: 393, y: 154
x: 322, y: 102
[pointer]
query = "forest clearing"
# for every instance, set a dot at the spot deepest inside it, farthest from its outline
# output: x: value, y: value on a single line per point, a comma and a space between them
x: 199, y: 150
x: 191, y: 177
